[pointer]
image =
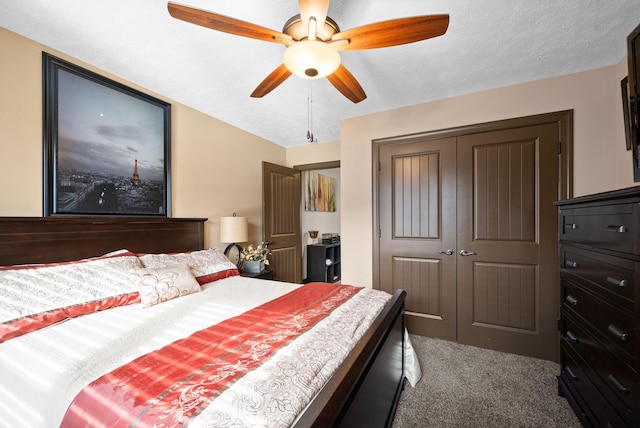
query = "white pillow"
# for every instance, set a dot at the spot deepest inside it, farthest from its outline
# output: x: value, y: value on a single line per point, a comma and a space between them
x: 206, y: 265
x: 157, y: 285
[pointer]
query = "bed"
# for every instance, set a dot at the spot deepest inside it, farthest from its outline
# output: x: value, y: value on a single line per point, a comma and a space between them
x: 48, y: 373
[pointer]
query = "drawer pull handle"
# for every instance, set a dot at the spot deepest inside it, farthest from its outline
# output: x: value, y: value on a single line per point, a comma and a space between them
x: 618, y: 282
x: 617, y: 229
x: 615, y: 330
x: 571, y: 374
x: 621, y: 389
x: 571, y: 337
x: 572, y: 300
x: 572, y: 225
x: 569, y: 263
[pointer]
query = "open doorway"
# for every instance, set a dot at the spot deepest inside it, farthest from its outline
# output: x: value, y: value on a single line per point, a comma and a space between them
x: 316, y: 219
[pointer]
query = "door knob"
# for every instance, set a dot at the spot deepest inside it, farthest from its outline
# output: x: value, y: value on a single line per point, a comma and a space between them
x: 465, y: 253
x: 449, y: 252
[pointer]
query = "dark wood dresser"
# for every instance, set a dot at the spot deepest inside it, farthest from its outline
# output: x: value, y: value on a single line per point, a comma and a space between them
x: 600, y: 307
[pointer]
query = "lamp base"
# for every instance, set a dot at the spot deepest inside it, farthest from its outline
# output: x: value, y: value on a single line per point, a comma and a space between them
x: 227, y: 250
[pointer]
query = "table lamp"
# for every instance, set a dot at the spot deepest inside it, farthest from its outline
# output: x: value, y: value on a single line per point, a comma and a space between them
x: 232, y: 231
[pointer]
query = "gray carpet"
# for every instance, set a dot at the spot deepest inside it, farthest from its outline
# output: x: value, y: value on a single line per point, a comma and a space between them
x: 465, y: 386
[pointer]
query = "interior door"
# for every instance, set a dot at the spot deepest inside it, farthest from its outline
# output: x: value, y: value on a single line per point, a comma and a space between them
x: 281, y: 191
x: 418, y: 232
x: 507, y: 240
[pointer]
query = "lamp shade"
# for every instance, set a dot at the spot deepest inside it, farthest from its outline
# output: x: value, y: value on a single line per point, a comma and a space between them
x: 234, y: 229
x: 311, y: 59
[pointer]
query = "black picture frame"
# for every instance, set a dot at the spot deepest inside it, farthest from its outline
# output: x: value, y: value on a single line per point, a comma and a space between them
x: 633, y: 57
x: 106, y: 145
x: 626, y: 115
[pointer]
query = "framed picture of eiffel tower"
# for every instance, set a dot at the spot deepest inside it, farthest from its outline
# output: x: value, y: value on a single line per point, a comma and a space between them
x: 106, y: 146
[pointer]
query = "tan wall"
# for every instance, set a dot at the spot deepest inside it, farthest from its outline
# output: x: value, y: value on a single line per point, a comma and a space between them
x: 313, y: 153
x: 600, y: 160
x: 215, y: 167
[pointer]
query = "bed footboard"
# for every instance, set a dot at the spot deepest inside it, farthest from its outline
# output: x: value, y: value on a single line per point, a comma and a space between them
x: 365, y: 391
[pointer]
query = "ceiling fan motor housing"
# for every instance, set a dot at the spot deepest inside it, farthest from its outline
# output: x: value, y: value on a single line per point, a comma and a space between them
x: 297, y: 31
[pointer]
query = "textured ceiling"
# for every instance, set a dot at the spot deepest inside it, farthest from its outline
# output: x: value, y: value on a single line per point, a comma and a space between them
x: 489, y: 43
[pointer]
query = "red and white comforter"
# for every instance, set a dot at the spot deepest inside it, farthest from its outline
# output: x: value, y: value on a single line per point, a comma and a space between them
x: 43, y: 371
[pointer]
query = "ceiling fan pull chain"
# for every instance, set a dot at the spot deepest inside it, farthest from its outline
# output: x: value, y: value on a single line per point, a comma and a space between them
x: 310, y: 136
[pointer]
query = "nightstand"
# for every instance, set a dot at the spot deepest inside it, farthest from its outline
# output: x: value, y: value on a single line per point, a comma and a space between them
x: 265, y: 274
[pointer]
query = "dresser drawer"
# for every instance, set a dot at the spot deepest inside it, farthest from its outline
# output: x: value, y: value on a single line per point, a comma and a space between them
x: 619, y: 327
x: 615, y: 379
x: 595, y: 406
x: 616, y: 279
x: 609, y: 227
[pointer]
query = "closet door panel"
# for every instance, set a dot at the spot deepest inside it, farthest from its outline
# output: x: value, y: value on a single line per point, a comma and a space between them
x: 417, y: 231
x: 507, y: 284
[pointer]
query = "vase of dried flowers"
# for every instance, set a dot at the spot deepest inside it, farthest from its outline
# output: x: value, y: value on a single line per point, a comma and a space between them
x: 254, y: 259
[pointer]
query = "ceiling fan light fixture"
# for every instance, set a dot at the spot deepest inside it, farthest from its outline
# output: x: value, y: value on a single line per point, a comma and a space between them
x: 311, y: 59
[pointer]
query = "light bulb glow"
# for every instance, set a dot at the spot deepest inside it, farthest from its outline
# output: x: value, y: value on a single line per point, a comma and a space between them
x: 311, y: 59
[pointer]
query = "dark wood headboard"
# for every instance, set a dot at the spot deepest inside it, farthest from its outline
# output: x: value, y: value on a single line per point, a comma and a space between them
x: 51, y: 239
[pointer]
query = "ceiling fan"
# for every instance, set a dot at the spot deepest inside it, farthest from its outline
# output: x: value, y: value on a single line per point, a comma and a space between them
x: 313, y: 40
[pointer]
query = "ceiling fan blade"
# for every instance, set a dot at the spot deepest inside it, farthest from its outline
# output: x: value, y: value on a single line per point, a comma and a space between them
x: 393, y: 32
x: 348, y: 86
x: 316, y: 8
x: 272, y: 81
x: 226, y: 24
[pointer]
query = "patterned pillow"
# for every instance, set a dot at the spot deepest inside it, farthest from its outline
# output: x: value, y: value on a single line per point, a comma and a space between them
x: 157, y: 285
x: 36, y: 296
x: 206, y: 265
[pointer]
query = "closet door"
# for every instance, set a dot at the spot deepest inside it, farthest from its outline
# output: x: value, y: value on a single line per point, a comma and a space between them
x: 417, y: 232
x: 487, y: 193
x: 507, y: 240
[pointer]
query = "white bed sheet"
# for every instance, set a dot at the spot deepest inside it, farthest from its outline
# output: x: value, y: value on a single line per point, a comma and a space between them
x: 43, y: 371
